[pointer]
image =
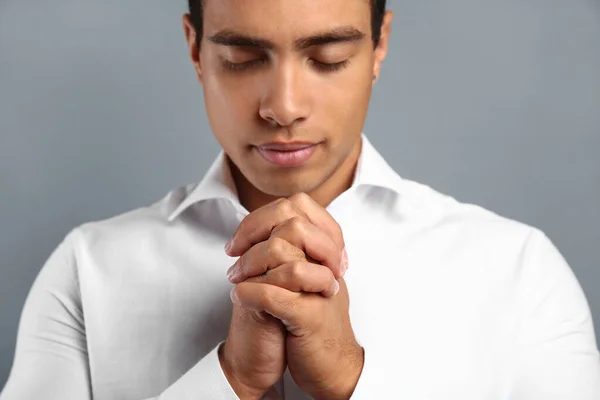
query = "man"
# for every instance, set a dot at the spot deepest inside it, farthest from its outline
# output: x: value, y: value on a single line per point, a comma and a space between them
x: 449, y: 301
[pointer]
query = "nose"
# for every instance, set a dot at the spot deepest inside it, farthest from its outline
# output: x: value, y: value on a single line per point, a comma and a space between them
x: 286, y: 99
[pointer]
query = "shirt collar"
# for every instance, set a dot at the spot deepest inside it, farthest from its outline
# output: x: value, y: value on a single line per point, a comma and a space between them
x: 372, y: 171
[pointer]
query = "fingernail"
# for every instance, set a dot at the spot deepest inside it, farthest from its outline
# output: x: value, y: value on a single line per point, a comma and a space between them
x: 344, y: 261
x: 231, y: 272
x: 234, y: 297
x: 228, y: 246
x: 336, y: 287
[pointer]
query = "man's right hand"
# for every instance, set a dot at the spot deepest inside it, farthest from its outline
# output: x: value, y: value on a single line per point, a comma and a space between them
x: 253, y: 357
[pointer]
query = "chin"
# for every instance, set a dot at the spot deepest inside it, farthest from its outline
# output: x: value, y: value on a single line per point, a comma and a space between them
x: 285, y: 189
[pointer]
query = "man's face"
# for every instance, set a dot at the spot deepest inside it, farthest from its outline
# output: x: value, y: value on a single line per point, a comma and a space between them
x: 281, y: 72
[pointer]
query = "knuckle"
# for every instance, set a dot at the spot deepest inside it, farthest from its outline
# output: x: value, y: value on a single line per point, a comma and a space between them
x: 285, y: 206
x: 275, y: 246
x: 297, y: 269
x: 297, y: 224
x: 302, y: 201
x: 300, y: 198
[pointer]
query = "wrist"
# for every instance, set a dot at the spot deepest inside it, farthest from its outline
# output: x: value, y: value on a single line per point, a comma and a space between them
x: 341, y: 384
x: 241, y: 389
x: 353, y: 359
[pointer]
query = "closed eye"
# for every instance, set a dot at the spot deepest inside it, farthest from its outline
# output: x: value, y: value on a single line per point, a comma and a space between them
x: 243, y: 66
x: 318, y: 65
x: 330, y: 67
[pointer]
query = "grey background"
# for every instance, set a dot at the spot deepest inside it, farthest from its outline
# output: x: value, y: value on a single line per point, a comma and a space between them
x: 494, y: 102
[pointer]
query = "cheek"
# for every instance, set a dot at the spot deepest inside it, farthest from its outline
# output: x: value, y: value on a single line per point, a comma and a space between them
x: 229, y: 105
x: 344, y: 102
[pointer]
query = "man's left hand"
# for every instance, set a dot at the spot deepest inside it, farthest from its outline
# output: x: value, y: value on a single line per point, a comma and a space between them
x: 323, y: 356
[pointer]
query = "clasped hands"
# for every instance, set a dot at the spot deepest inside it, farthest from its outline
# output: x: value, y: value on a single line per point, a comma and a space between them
x: 290, y: 303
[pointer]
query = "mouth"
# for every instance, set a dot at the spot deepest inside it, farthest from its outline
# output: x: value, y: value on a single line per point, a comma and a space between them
x: 292, y: 154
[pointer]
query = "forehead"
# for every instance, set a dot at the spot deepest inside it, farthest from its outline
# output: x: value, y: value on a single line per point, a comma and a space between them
x: 285, y: 20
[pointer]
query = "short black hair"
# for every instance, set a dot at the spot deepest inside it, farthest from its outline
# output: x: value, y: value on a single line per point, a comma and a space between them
x: 377, y: 12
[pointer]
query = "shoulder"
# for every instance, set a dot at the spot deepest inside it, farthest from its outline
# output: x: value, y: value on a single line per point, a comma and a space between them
x: 470, y: 225
x: 140, y: 226
x: 492, y: 242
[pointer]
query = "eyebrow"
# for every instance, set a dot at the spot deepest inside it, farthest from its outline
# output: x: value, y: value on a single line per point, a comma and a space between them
x: 344, y: 34
x: 234, y: 39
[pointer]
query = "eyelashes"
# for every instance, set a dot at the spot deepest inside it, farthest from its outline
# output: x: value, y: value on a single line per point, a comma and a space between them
x: 243, y: 66
x: 253, y: 64
x: 330, y: 67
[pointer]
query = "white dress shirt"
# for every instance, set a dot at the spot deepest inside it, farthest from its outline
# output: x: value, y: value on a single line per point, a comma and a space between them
x: 449, y: 300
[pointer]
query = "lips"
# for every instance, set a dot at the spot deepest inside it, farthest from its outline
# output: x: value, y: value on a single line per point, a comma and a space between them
x: 286, y: 146
x: 287, y: 154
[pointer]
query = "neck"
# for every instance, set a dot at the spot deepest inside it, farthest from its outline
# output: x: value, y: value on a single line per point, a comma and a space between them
x: 340, y: 181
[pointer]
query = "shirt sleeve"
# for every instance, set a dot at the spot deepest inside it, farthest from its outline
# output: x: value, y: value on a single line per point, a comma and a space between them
x: 558, y: 356
x: 51, y: 358
x: 205, y: 380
